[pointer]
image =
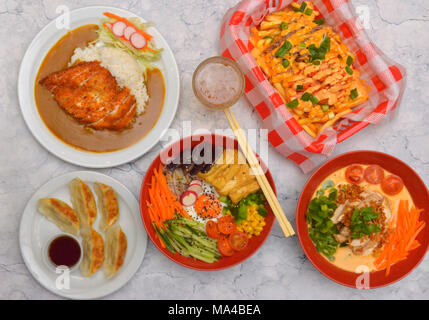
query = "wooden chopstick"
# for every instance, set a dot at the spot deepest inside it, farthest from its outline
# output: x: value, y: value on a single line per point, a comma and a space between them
x: 259, y: 174
x: 265, y: 186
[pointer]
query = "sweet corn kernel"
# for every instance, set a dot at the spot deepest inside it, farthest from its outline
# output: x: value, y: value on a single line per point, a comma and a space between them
x: 254, y: 223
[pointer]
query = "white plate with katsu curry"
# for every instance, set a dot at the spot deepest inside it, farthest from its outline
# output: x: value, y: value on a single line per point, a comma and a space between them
x: 101, y: 91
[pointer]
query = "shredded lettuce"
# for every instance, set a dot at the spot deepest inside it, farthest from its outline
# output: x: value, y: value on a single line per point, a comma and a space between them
x: 143, y: 57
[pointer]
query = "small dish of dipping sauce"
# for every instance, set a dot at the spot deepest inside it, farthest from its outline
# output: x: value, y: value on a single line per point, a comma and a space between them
x: 218, y: 83
x: 64, y: 250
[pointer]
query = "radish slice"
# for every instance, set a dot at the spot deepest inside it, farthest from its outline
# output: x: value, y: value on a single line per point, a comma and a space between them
x: 196, y: 188
x: 118, y: 28
x: 188, y: 198
x: 198, y: 182
x: 137, y: 40
x: 128, y: 32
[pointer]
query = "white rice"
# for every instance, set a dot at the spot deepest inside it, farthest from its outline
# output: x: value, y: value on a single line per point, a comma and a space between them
x: 121, y: 65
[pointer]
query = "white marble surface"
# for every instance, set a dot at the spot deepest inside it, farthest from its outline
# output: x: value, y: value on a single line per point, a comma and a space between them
x: 279, y: 270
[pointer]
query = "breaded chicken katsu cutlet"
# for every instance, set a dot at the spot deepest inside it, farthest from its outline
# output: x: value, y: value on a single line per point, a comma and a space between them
x: 89, y: 93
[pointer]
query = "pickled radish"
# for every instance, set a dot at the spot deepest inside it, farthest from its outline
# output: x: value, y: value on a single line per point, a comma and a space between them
x: 137, y: 40
x: 196, y: 181
x: 188, y: 198
x: 128, y: 32
x: 118, y: 28
x: 198, y: 189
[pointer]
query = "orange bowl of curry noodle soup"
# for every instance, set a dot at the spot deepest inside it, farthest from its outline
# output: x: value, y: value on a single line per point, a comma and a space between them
x: 363, y: 191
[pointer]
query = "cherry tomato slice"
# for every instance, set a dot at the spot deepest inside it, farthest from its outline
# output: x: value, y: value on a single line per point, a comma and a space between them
x: 392, y: 185
x: 374, y: 174
x: 224, y: 247
x: 238, y: 240
x: 212, y: 230
x: 226, y: 225
x: 354, y: 174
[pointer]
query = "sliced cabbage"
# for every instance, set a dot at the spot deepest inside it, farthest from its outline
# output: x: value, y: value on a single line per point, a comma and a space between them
x: 143, y: 57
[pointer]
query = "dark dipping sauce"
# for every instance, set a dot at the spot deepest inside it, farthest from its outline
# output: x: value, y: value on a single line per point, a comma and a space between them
x: 64, y: 251
x: 68, y: 129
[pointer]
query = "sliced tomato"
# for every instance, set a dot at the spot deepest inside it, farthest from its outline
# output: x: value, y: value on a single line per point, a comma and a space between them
x: 392, y: 185
x: 354, y: 174
x: 374, y: 174
x: 226, y: 225
x: 224, y: 247
x: 238, y: 240
x: 212, y: 230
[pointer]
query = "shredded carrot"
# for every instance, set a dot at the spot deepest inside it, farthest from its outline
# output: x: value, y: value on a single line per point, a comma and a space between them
x: 402, y: 240
x: 163, y: 204
x: 128, y: 23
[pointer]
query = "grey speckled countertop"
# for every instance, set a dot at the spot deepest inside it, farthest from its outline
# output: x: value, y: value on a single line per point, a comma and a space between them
x: 279, y: 270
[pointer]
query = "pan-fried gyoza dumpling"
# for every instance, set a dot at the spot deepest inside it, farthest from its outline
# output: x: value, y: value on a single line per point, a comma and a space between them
x: 108, y: 204
x: 116, y: 249
x: 60, y: 213
x: 93, y: 252
x: 83, y: 203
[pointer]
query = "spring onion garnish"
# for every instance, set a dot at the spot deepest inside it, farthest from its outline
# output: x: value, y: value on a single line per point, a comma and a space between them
x: 284, y: 26
x: 324, y: 107
x: 314, y: 100
x: 303, y: 6
x: 299, y: 87
x: 320, y: 53
x: 285, y: 48
x: 285, y: 63
x: 349, y: 60
x: 319, y: 21
x: 349, y: 70
x: 267, y: 37
x: 302, y: 45
x: 292, y: 104
x: 309, y: 12
x: 321, y: 229
x: 354, y: 94
x: 306, y: 96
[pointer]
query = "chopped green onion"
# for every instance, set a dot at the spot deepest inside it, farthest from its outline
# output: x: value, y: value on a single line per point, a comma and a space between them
x: 303, y: 6
x: 284, y: 26
x: 300, y: 87
x: 349, y: 60
x: 306, y: 96
x: 302, y: 45
x: 325, y: 107
x: 287, y: 45
x: 292, y: 104
x: 309, y: 12
x: 314, y: 100
x: 285, y: 48
x: 285, y: 63
x: 349, y: 70
x: 319, y: 21
x: 267, y: 37
x: 354, y: 94
x: 326, y: 44
x: 281, y: 52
